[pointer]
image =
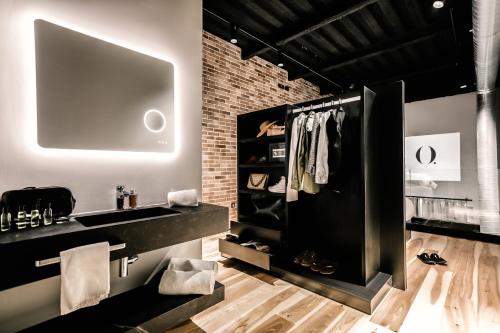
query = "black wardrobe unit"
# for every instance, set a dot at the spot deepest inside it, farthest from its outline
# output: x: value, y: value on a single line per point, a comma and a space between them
x: 356, y: 220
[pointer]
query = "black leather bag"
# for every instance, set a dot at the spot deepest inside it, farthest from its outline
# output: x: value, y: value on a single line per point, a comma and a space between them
x: 60, y: 198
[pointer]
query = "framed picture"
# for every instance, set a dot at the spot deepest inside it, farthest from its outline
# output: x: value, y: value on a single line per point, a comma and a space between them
x: 277, y: 152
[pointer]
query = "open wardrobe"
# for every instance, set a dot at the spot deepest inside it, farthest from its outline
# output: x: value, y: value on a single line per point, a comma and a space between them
x: 311, y: 209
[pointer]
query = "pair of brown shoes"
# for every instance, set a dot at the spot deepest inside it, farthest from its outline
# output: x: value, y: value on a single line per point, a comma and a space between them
x: 324, y: 266
x: 311, y: 259
x: 306, y: 258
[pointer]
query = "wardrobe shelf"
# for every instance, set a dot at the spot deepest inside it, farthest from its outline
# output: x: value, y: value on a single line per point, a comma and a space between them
x: 273, y: 138
x: 271, y: 194
x: 263, y: 165
x: 259, y: 223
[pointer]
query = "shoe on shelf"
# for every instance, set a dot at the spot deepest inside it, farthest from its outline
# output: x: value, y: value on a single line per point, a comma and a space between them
x: 232, y: 238
x: 298, y: 259
x: 262, y: 159
x: 257, y: 246
x: 279, y: 187
x: 309, y: 259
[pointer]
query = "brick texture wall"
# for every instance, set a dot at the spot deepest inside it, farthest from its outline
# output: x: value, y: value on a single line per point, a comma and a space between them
x: 232, y: 86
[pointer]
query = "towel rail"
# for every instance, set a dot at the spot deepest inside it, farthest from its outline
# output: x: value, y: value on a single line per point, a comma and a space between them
x: 55, y: 260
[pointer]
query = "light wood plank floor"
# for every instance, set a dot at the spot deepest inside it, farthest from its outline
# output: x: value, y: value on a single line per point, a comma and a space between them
x: 461, y: 297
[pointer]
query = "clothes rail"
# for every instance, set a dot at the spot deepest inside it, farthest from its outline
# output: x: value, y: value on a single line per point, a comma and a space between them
x: 332, y: 103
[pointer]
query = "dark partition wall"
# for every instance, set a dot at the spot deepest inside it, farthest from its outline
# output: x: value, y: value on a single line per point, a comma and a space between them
x: 389, y: 109
x: 342, y: 222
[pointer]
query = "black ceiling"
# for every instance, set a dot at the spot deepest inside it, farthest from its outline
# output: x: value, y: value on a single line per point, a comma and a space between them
x: 353, y: 42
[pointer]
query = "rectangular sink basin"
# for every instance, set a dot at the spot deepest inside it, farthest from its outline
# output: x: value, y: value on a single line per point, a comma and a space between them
x: 124, y: 215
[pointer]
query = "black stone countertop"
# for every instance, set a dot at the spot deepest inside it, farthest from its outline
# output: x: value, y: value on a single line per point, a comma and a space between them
x: 20, y: 249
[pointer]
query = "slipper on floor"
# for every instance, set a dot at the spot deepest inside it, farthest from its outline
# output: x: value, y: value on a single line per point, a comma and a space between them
x: 437, y: 259
x: 424, y: 257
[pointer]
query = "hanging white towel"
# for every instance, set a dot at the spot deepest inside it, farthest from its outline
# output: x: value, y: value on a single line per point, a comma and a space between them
x: 84, y: 276
x: 187, y: 282
x: 183, y: 198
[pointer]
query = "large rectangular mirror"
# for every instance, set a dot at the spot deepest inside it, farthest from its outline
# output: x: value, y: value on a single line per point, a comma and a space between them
x: 95, y: 95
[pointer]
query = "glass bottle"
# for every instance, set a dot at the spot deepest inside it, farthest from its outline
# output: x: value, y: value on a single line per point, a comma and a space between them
x: 5, y: 219
x: 35, y: 215
x: 47, y: 215
x: 132, y: 199
x: 120, y: 196
x: 21, y: 218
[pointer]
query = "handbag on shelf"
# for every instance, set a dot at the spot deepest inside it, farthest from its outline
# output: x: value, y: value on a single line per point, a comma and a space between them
x: 257, y: 181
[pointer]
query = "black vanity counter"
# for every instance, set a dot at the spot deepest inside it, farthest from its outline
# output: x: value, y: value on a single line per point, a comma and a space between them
x: 20, y: 249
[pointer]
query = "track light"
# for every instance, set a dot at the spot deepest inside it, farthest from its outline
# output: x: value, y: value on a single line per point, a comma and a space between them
x: 234, y: 34
x: 281, y: 64
x: 438, y: 4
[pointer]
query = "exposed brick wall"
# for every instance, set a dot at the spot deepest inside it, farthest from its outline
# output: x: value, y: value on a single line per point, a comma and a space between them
x: 232, y: 86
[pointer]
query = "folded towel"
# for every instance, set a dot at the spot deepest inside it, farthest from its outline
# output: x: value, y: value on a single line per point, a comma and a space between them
x: 84, y: 276
x: 187, y: 282
x: 182, y: 264
x: 183, y: 198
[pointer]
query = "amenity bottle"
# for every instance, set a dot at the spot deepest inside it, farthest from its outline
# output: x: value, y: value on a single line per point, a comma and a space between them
x: 21, y: 218
x: 47, y: 215
x: 5, y: 219
x: 35, y: 215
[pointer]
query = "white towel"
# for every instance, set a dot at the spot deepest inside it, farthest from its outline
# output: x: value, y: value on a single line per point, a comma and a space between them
x: 187, y: 282
x: 183, y: 198
x: 183, y: 264
x: 188, y: 276
x: 84, y: 276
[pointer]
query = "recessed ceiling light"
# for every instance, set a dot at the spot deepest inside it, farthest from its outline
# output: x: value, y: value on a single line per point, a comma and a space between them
x: 438, y: 4
x: 234, y: 34
x: 463, y: 86
x: 280, y: 64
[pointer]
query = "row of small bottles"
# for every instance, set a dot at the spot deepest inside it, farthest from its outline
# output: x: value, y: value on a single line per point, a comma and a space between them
x: 24, y: 220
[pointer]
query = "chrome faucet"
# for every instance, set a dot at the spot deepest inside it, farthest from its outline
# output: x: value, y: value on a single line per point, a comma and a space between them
x: 120, y: 196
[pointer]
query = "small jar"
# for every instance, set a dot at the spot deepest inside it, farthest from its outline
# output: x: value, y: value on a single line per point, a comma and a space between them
x: 132, y: 199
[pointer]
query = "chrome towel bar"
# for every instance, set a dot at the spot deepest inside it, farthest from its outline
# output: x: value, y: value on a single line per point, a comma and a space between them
x: 55, y: 260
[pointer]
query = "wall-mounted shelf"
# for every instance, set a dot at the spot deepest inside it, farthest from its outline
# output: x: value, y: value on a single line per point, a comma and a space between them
x: 263, y: 165
x: 263, y: 138
x: 247, y: 191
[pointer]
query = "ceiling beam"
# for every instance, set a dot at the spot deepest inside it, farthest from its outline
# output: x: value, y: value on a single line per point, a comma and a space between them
x: 392, y: 45
x: 271, y: 47
x: 308, y: 28
x: 419, y: 72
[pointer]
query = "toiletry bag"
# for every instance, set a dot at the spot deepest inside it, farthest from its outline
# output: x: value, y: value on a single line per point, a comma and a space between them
x: 60, y: 198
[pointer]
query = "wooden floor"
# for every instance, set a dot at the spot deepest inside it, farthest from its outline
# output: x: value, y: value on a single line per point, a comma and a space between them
x: 461, y: 297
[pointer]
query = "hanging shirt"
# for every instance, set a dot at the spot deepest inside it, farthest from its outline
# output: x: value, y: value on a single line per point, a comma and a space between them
x: 297, y: 157
x: 308, y: 184
x: 322, y: 169
x: 291, y: 194
x: 313, y: 128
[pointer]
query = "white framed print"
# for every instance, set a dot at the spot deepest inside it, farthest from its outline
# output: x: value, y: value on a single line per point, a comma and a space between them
x: 433, y: 157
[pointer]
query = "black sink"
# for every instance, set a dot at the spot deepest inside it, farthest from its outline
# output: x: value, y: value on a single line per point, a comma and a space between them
x: 124, y: 215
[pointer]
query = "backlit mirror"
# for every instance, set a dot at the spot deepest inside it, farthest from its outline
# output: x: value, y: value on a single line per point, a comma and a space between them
x: 95, y: 95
